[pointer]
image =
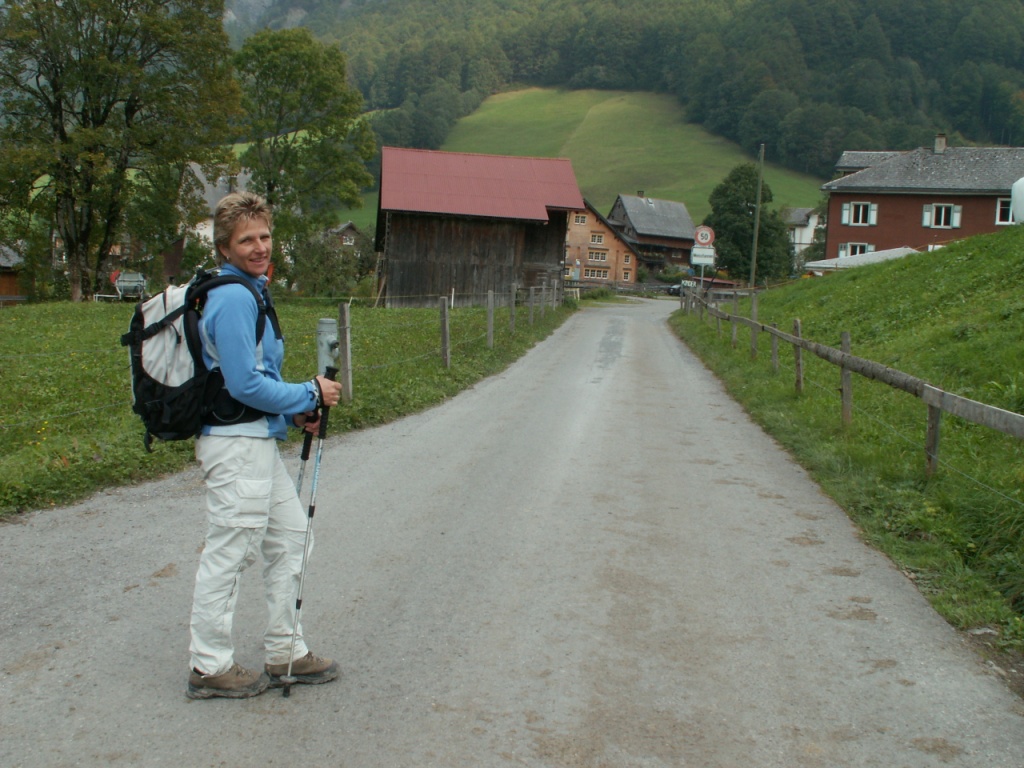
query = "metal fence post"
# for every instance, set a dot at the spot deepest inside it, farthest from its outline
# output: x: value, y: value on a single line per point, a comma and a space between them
x: 345, y: 351
x: 490, y: 319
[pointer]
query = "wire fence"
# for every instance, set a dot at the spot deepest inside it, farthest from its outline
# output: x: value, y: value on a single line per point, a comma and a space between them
x: 381, y: 339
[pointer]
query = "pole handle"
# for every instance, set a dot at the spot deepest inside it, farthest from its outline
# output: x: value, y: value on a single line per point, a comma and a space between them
x: 307, y: 444
x: 330, y: 373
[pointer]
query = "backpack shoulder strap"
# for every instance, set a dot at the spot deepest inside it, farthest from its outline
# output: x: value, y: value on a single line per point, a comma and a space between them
x: 196, y: 297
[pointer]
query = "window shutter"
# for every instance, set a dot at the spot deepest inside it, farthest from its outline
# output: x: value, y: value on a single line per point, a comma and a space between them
x: 843, y: 249
x: 926, y: 216
x: 873, y: 214
x: 846, y: 213
x: 957, y: 213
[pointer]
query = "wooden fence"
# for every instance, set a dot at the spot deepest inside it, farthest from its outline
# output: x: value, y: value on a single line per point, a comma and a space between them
x: 937, y: 400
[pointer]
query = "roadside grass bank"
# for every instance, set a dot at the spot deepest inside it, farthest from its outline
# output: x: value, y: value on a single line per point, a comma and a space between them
x: 954, y: 317
x: 66, y: 422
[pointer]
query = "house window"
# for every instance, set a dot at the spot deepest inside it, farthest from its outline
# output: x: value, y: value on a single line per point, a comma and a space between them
x: 597, y: 256
x: 627, y: 258
x: 625, y: 275
x: 581, y: 218
x: 941, y: 216
x: 596, y: 238
x: 1004, y: 214
x: 854, y: 249
x: 860, y: 214
x: 348, y: 239
x: 599, y: 274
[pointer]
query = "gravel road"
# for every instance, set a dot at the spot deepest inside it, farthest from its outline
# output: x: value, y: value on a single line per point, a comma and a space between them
x: 592, y: 559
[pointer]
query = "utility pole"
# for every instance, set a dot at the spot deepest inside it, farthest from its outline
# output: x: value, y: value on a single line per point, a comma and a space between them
x: 757, y: 217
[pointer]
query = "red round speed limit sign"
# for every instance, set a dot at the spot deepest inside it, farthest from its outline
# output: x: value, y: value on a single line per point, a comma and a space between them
x: 704, y: 235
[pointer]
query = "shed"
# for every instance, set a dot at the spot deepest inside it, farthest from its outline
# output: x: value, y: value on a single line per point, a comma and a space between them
x: 463, y: 224
x: 11, y: 263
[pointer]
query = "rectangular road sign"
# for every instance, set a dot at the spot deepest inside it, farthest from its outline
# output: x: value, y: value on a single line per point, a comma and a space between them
x: 702, y: 256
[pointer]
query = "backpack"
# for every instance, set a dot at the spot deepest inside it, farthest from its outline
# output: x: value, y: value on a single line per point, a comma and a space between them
x: 172, y: 390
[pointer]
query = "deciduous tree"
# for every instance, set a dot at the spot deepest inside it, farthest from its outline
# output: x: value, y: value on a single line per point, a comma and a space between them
x: 732, y: 217
x: 309, y: 142
x: 95, y: 92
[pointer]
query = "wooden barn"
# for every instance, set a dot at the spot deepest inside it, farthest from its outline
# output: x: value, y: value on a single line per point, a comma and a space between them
x: 450, y: 223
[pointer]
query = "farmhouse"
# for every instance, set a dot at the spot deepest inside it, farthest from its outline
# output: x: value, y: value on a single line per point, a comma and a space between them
x: 801, y: 223
x: 661, y: 231
x: 923, y: 198
x: 457, y: 224
x: 595, y: 253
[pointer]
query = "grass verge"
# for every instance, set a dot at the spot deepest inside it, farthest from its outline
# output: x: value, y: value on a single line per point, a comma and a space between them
x: 65, y: 404
x: 954, y: 318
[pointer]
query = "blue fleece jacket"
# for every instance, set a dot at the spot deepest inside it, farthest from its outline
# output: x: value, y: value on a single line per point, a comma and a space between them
x: 252, y: 372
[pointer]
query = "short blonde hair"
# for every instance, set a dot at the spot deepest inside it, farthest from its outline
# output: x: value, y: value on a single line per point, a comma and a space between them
x: 232, y: 209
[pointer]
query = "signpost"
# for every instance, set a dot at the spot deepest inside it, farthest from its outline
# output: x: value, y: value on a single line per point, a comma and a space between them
x: 703, y: 253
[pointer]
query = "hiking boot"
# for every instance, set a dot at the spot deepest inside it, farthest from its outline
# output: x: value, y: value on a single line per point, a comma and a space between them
x: 310, y: 669
x: 237, y: 683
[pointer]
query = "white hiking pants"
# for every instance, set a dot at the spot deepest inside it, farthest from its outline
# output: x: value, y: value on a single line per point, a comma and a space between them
x: 252, y: 509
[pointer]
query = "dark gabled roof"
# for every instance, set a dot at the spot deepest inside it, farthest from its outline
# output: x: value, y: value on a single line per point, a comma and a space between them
x: 658, y: 218
x: 797, y: 217
x: 341, y: 228
x: 858, y: 160
x: 966, y: 170
x: 9, y: 258
x: 494, y: 186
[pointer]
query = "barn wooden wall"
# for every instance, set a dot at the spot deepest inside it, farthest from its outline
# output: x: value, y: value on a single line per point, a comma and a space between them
x: 428, y: 256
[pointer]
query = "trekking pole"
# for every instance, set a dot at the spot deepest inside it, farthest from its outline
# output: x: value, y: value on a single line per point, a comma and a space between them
x: 287, y: 679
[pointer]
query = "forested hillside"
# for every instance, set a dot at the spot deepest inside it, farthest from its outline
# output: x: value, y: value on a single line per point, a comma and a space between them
x: 807, y: 77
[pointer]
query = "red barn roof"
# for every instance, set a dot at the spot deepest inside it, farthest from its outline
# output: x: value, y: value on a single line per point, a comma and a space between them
x: 495, y: 186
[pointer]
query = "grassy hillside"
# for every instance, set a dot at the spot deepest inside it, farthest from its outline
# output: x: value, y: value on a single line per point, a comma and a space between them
x: 619, y: 142
x: 954, y: 317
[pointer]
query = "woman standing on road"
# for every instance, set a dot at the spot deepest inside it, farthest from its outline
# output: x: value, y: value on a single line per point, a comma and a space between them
x: 252, y: 505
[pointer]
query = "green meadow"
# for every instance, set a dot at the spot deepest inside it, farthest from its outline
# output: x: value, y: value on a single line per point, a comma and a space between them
x: 619, y: 143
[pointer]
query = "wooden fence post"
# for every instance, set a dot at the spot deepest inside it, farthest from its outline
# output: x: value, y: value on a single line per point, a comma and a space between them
x: 931, y: 440
x: 775, y: 349
x: 490, y: 319
x: 345, y: 351
x: 543, y: 299
x: 846, y: 382
x: 798, y: 354
x: 512, y: 310
x: 531, y: 304
x: 754, y: 332
x: 446, y: 350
